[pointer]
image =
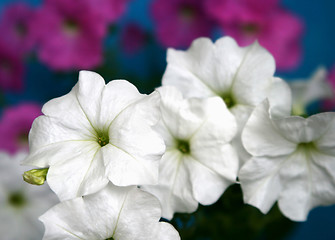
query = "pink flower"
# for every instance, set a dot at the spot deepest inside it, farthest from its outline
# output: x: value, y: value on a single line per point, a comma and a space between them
x: 179, y: 22
x: 330, y: 103
x: 11, y: 68
x: 15, y: 125
x: 275, y: 29
x: 133, y: 38
x: 111, y: 10
x: 69, y: 35
x: 15, y: 27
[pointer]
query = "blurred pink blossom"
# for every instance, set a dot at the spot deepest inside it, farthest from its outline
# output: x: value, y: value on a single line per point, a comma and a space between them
x: 133, y: 38
x: 276, y: 29
x: 179, y: 22
x: 69, y: 35
x: 11, y: 68
x: 15, y: 124
x: 15, y: 27
x: 111, y: 10
x: 329, y: 104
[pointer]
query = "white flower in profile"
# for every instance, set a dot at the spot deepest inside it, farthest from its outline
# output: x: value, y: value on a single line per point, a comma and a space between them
x: 241, y: 76
x: 118, y: 213
x: 95, y: 134
x: 199, y: 162
x: 306, y: 91
x: 293, y: 162
x: 21, y: 203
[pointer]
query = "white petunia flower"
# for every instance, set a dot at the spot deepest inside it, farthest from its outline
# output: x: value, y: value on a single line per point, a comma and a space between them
x: 293, y: 161
x: 305, y: 91
x: 119, y: 213
x: 241, y: 76
x: 199, y: 162
x: 21, y: 203
x: 95, y: 134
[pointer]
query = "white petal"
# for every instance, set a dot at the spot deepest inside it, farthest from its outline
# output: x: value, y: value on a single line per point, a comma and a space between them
x: 260, y: 183
x: 326, y: 142
x: 254, y: 75
x: 192, y: 71
x: 69, y: 219
x: 221, y: 159
x: 298, y: 129
x: 207, y: 185
x: 78, y: 108
x: 117, y: 95
x: 305, y: 91
x: 57, y: 153
x: 124, y: 169
x: 121, y: 213
x: 82, y: 174
x: 174, y: 189
x: 218, y: 124
x: 134, y: 150
x: 182, y: 117
x: 90, y: 88
x: 241, y: 113
x: 260, y: 137
x: 280, y: 98
x: 166, y: 232
x: 228, y: 60
x: 47, y: 130
x: 309, y: 182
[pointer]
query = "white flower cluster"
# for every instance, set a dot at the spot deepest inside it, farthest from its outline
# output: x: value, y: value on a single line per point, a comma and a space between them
x: 119, y: 160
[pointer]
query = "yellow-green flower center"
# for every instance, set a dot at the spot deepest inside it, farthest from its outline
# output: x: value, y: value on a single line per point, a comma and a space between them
x: 70, y: 27
x: 102, y: 138
x: 183, y: 146
x: 229, y: 100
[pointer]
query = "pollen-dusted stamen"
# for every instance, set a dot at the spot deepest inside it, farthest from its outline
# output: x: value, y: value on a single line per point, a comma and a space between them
x: 183, y: 146
x: 103, y: 139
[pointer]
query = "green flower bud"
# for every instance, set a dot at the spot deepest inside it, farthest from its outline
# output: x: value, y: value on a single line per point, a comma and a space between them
x: 35, y: 176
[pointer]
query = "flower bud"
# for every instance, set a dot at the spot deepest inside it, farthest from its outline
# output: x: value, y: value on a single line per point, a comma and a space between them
x: 35, y: 176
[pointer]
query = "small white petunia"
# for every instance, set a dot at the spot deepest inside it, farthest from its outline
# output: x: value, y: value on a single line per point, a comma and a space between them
x: 199, y: 162
x: 241, y: 76
x: 118, y: 213
x: 293, y: 162
x: 21, y: 203
x: 305, y: 91
x: 95, y: 134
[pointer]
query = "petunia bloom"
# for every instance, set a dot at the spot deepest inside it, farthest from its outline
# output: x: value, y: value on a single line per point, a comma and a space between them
x: 11, y: 68
x: 241, y: 76
x: 15, y: 27
x: 119, y: 213
x: 69, y: 35
x: 179, y: 22
x: 293, y: 162
x: 95, y: 134
x: 110, y: 10
x: 21, y: 203
x: 15, y: 124
x: 276, y: 29
x: 199, y: 162
x: 306, y: 91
